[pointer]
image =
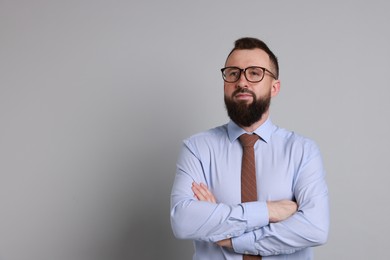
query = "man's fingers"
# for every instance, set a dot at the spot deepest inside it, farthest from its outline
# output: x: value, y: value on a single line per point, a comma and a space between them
x: 202, y: 193
x: 198, y: 192
x: 208, y: 193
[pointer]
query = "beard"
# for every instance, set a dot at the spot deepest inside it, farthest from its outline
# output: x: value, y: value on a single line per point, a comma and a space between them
x: 244, y: 114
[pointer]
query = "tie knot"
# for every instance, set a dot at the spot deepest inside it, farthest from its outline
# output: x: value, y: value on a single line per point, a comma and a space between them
x: 248, y: 140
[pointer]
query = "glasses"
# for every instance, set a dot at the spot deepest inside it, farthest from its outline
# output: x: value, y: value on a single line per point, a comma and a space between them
x: 252, y: 74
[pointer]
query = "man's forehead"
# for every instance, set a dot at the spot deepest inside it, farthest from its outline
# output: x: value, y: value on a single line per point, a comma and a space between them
x: 257, y: 56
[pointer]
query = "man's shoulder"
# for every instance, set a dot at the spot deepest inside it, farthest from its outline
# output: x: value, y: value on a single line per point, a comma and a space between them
x: 213, y: 133
x: 290, y: 137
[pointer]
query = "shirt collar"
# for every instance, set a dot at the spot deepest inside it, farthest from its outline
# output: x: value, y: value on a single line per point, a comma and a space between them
x: 264, y: 131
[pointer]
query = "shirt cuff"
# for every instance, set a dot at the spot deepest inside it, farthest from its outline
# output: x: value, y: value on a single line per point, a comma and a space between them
x: 256, y: 213
x: 245, y: 244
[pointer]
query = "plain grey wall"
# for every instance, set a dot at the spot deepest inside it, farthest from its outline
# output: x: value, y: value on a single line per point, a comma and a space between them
x: 96, y: 97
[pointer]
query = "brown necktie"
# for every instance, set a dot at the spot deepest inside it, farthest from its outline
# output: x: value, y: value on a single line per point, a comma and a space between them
x: 248, y: 175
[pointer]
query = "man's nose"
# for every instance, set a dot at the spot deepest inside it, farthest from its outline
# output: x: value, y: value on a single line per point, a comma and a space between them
x: 242, y: 81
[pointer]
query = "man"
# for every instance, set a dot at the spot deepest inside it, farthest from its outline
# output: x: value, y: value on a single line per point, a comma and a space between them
x: 290, y: 214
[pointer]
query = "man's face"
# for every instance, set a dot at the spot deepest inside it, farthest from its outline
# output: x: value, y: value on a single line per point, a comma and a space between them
x: 246, y: 102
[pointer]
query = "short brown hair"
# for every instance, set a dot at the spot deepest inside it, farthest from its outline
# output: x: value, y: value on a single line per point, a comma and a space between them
x: 248, y: 43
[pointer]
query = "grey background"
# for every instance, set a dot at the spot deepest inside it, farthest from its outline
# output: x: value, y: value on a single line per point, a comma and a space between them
x: 96, y: 97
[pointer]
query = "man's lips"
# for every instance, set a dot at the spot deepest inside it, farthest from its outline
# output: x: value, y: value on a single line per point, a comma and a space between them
x: 243, y: 96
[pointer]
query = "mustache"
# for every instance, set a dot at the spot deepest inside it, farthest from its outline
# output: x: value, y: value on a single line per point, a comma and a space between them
x: 243, y: 90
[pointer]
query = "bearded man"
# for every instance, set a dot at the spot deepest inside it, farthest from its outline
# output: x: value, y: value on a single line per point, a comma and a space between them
x: 264, y: 199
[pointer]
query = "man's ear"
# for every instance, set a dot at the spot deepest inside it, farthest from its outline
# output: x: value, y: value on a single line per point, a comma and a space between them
x: 275, y: 88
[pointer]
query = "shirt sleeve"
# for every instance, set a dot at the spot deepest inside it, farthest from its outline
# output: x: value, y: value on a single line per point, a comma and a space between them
x: 193, y: 219
x: 308, y: 227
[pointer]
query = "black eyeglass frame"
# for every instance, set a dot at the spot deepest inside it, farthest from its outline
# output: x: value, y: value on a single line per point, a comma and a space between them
x: 244, y: 70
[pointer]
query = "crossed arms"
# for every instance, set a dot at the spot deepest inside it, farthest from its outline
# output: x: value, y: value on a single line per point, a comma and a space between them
x: 277, y: 210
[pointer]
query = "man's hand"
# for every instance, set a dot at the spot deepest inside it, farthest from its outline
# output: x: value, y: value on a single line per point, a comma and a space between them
x: 225, y: 243
x: 281, y: 210
x: 202, y: 193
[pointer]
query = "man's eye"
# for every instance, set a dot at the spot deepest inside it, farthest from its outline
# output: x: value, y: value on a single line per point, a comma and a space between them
x: 233, y: 73
x: 255, y: 72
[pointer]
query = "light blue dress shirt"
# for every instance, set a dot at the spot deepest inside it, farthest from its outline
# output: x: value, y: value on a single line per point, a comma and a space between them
x: 288, y: 166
